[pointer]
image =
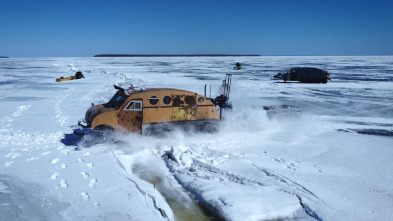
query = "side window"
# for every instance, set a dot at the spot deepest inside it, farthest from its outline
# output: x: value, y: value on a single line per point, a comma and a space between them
x: 116, y: 101
x: 153, y: 100
x: 167, y: 100
x: 134, y: 106
x: 119, y: 101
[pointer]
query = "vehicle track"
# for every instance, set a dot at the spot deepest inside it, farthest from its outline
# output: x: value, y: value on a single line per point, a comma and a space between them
x: 268, y: 178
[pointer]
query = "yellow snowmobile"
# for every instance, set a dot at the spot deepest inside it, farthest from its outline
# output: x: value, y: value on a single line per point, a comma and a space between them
x: 78, y: 75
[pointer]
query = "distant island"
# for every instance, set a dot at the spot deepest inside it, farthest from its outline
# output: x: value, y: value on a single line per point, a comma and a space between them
x: 4, y: 57
x: 174, y: 55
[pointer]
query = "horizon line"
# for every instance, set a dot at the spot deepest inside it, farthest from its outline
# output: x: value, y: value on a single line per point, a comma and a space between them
x: 197, y: 55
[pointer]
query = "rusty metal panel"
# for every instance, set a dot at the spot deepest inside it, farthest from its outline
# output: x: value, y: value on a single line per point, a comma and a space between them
x: 202, y: 113
x: 183, y: 113
x: 207, y: 113
x: 157, y: 115
x: 183, y: 100
x: 107, y: 118
x: 190, y: 100
x: 131, y: 120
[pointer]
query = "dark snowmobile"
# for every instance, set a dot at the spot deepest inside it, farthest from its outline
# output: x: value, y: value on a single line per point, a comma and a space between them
x: 304, y: 75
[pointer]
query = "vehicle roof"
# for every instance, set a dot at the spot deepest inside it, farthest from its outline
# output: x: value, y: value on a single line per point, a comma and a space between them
x: 146, y: 90
x: 306, y: 69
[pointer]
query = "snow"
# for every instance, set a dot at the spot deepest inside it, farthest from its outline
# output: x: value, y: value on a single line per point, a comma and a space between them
x: 334, y: 163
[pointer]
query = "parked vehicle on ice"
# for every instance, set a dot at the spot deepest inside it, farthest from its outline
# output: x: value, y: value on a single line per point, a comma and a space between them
x: 78, y: 75
x: 304, y: 75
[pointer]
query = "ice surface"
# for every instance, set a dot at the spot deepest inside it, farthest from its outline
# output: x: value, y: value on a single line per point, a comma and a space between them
x: 334, y: 163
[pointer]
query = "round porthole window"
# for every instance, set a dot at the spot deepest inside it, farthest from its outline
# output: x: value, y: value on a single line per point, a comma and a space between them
x: 201, y: 99
x: 167, y: 100
x: 153, y: 100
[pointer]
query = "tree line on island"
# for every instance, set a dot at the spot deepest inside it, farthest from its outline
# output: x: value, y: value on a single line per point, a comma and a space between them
x: 174, y: 55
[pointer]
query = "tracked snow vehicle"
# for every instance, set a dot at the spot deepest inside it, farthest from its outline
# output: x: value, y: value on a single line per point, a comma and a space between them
x: 139, y: 110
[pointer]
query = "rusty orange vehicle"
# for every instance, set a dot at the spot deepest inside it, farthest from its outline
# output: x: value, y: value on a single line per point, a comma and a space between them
x: 142, y: 110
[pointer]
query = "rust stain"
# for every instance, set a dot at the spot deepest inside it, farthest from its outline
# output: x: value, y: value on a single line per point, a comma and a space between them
x: 181, y: 100
x: 190, y: 100
x: 177, y: 101
x: 139, y: 117
x: 131, y: 121
x: 183, y: 113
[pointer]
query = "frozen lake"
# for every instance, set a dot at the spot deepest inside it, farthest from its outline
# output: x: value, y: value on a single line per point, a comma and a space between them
x: 334, y: 163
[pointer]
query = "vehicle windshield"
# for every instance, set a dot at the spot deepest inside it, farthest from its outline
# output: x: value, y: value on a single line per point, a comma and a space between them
x: 116, y: 101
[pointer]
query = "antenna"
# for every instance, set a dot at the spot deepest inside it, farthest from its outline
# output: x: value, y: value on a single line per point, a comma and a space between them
x: 227, y: 85
x: 223, y: 100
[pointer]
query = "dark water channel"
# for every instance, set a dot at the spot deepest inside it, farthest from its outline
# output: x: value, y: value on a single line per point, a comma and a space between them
x: 184, y: 207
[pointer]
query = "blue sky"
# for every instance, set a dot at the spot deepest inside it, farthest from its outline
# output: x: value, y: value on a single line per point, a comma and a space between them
x: 64, y: 28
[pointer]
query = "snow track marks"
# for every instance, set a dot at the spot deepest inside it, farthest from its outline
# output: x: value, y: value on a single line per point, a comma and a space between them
x: 184, y: 171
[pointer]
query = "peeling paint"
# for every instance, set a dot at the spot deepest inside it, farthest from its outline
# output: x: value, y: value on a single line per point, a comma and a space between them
x: 190, y: 100
x: 183, y: 113
x: 177, y: 101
